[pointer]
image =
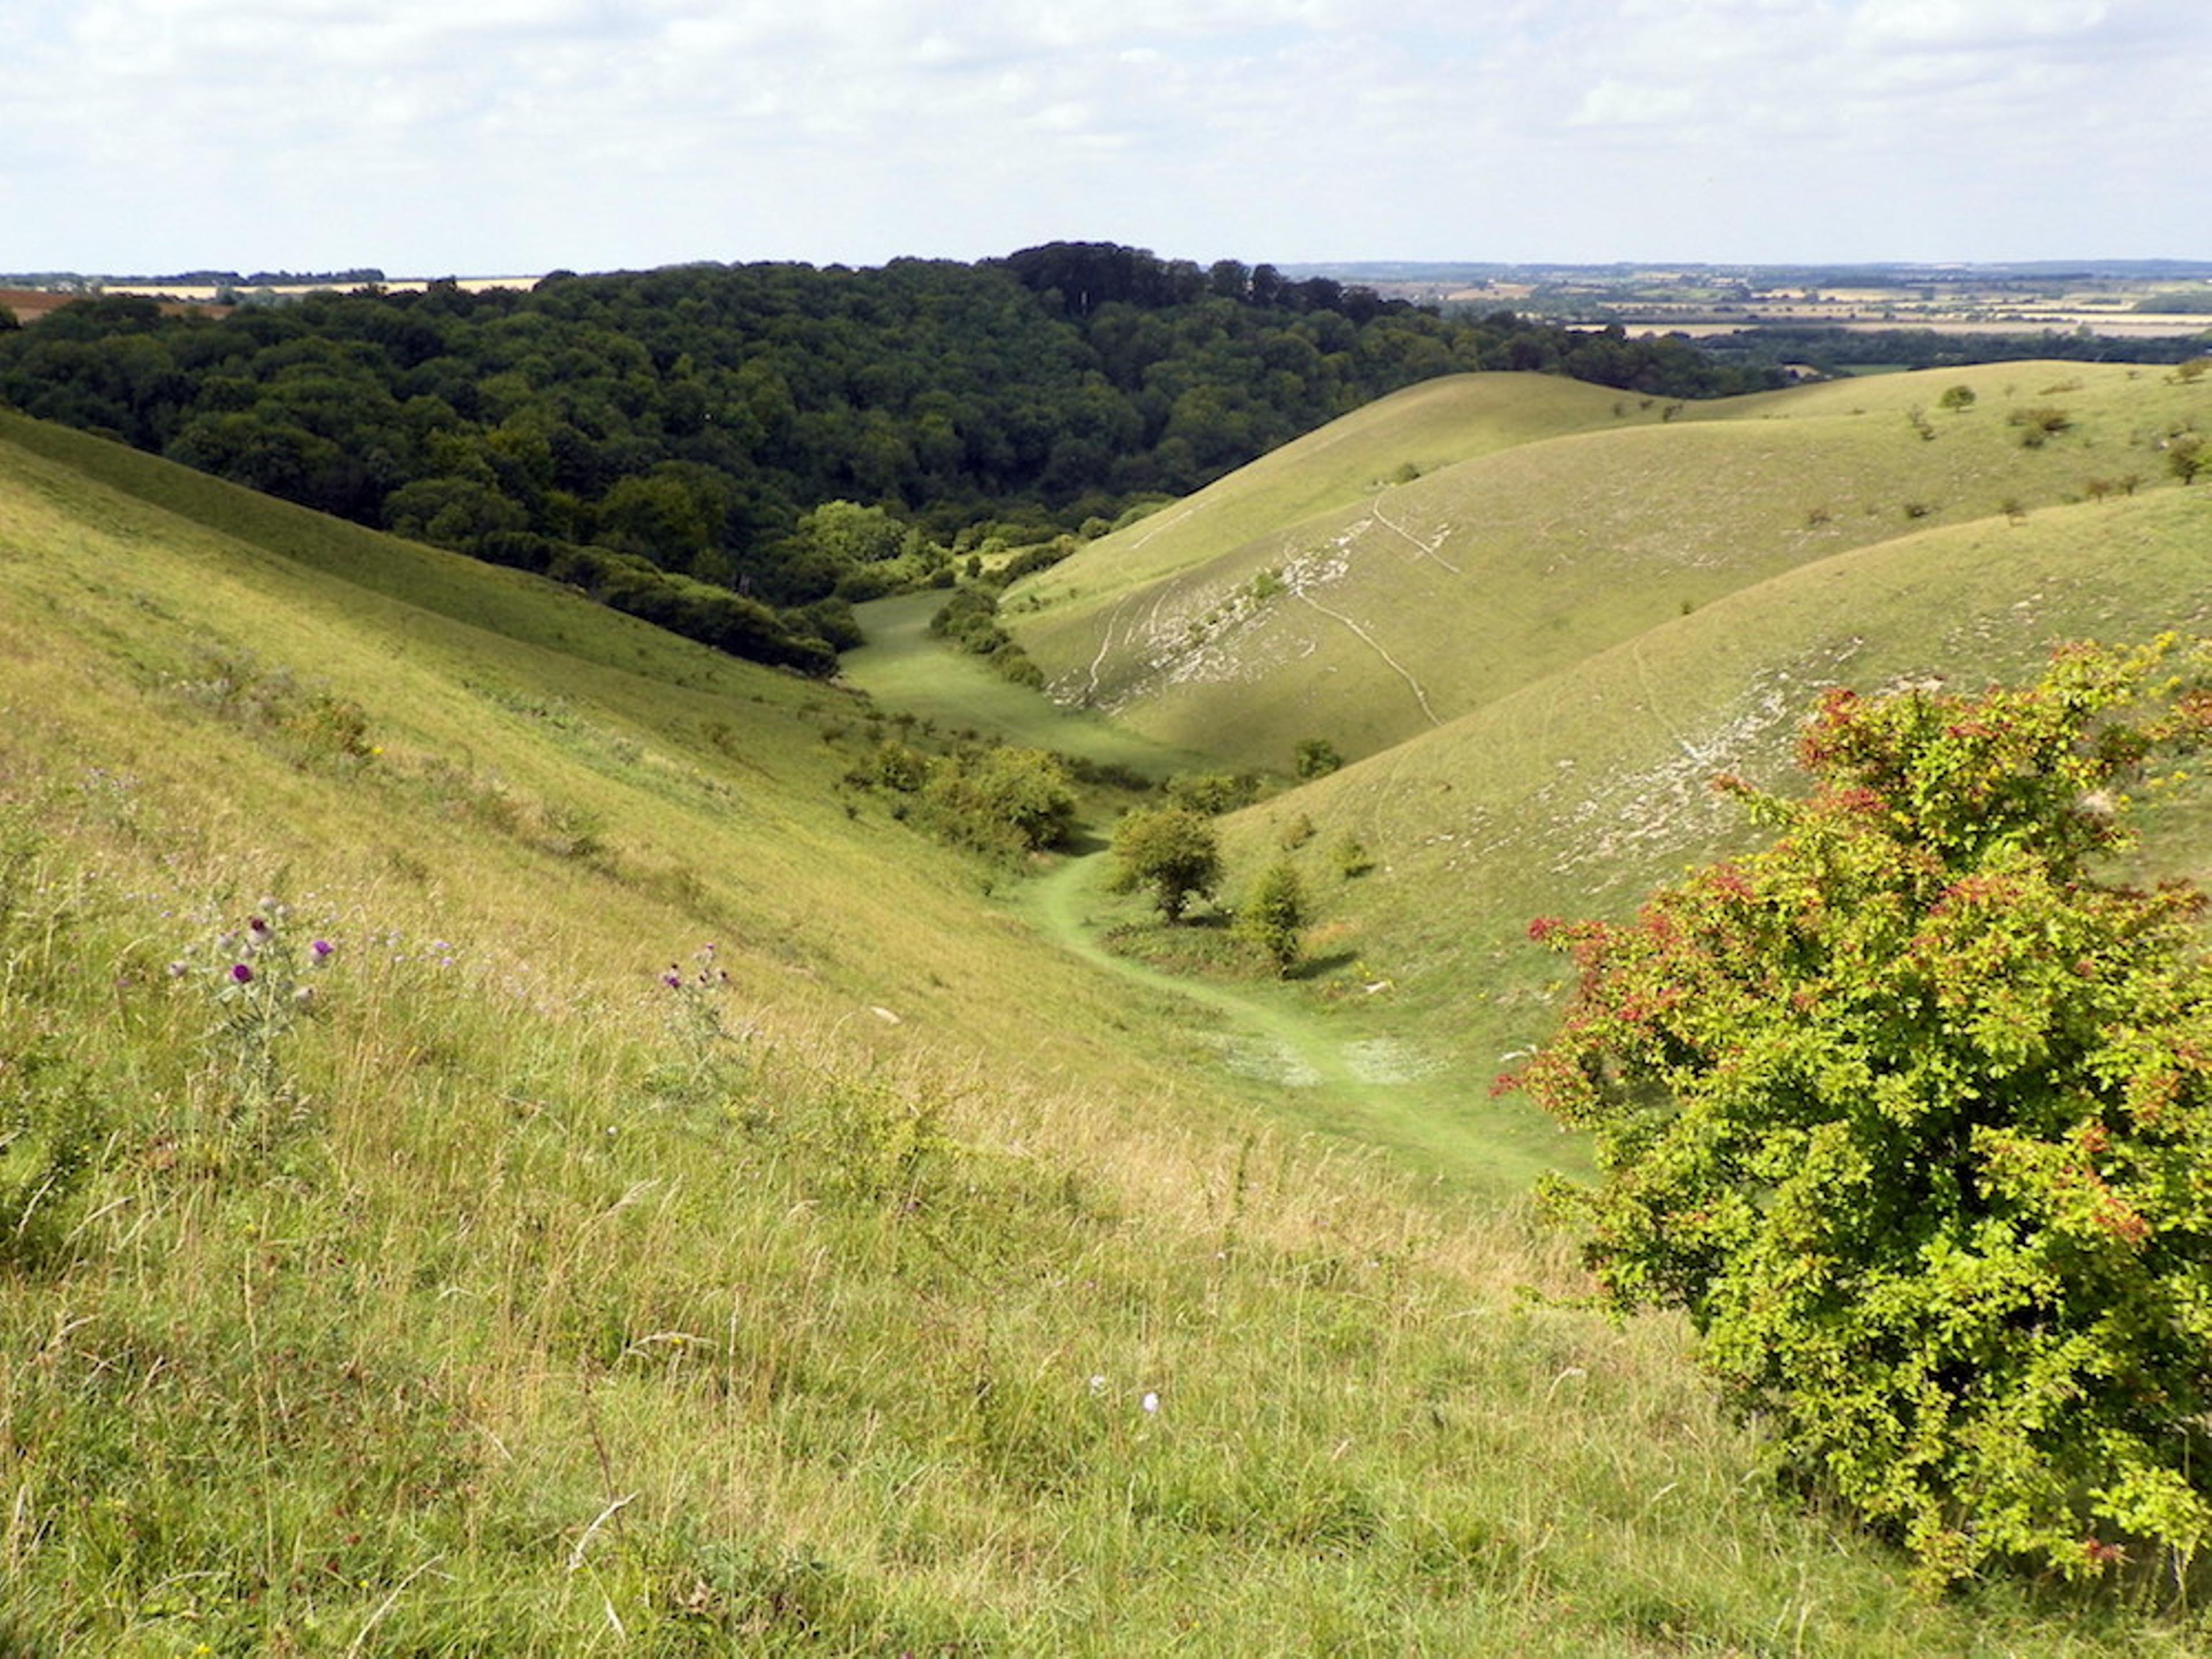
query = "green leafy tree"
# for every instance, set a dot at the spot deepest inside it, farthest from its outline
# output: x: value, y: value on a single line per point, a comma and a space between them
x: 1170, y: 849
x: 2185, y: 456
x: 456, y: 513
x: 850, y: 534
x: 1911, y: 1112
x: 1004, y: 801
x: 1273, y: 914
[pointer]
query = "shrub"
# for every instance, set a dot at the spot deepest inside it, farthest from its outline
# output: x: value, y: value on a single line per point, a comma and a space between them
x: 1352, y: 858
x: 2186, y: 457
x: 1213, y: 792
x: 1170, y: 849
x: 1001, y: 801
x: 1273, y: 914
x: 2036, y: 425
x: 1913, y: 1115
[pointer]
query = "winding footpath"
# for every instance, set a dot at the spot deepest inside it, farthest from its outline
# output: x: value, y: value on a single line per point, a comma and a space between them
x: 1291, y: 1047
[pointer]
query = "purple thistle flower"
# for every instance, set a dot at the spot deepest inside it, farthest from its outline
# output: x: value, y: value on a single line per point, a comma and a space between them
x: 242, y: 973
x: 322, y: 947
x: 258, y: 925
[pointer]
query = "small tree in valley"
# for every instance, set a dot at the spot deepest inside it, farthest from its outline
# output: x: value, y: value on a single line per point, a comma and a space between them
x: 1911, y: 1112
x: 1170, y: 849
x: 1273, y: 914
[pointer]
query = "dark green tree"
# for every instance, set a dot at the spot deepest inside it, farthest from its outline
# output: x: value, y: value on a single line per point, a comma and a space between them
x: 1170, y: 849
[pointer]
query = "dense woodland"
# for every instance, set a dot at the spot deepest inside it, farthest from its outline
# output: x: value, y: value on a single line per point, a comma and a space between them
x: 666, y: 439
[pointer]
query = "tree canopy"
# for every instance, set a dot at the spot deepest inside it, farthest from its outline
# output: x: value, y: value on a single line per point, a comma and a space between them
x: 1172, y: 850
x: 705, y: 418
x: 1911, y: 1112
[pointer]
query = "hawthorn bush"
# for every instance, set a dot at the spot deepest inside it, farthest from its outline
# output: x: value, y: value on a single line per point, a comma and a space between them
x: 1912, y: 1113
x: 1170, y: 849
x: 1273, y: 914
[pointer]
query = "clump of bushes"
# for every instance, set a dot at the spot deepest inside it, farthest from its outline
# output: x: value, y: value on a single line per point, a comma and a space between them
x: 2040, y: 425
x: 1001, y: 801
x: 969, y: 621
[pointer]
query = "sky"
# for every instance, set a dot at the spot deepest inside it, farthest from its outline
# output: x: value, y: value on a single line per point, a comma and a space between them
x: 482, y: 138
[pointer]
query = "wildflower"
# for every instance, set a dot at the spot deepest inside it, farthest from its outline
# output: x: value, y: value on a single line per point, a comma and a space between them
x: 258, y: 926
x: 1097, y: 1385
x: 1152, y: 1403
x: 322, y: 947
x: 242, y: 973
x: 304, y: 995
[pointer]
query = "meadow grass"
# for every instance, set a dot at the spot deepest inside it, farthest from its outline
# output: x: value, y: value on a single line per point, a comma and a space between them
x: 501, y: 1295
x: 903, y: 668
x: 1388, y: 617
x: 1580, y: 793
x: 1434, y: 424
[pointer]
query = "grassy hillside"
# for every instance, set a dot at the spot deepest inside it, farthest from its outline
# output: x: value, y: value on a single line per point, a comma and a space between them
x: 1367, y: 623
x: 465, y: 1288
x: 1578, y: 792
x: 1434, y: 424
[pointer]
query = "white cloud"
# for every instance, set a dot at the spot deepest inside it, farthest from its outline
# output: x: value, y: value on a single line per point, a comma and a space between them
x: 1618, y: 103
x: 436, y: 135
x: 1972, y: 24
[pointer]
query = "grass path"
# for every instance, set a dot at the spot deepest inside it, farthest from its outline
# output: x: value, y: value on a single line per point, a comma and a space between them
x: 1339, y: 1069
x: 1333, y: 1070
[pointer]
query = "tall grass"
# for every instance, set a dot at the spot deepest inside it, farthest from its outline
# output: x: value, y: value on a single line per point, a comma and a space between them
x: 500, y: 1296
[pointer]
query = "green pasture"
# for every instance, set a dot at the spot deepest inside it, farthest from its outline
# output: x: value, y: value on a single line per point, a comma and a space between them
x: 1374, y: 623
x: 904, y: 1277
x: 903, y: 668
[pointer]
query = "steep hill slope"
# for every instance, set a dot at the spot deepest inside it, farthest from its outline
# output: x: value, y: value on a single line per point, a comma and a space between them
x: 1366, y: 623
x: 696, y: 793
x: 1434, y: 424
x: 414, y: 1242
x: 1577, y: 793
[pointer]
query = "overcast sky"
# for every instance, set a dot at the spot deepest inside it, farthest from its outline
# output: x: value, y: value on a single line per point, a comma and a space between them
x: 511, y: 136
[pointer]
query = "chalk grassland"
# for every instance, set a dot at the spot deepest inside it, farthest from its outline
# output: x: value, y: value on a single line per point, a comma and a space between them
x: 495, y: 1297
x: 1433, y: 424
x: 1372, y: 621
x: 1577, y: 792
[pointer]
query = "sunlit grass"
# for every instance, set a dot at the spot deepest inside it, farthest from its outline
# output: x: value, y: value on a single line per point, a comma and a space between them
x: 1401, y: 607
x: 527, y: 1302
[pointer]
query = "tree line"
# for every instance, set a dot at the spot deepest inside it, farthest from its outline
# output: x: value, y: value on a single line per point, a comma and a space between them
x: 667, y: 439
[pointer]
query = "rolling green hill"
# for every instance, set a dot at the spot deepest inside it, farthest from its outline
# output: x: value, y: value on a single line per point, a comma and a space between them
x: 501, y: 1152
x: 1579, y: 792
x: 1366, y: 622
